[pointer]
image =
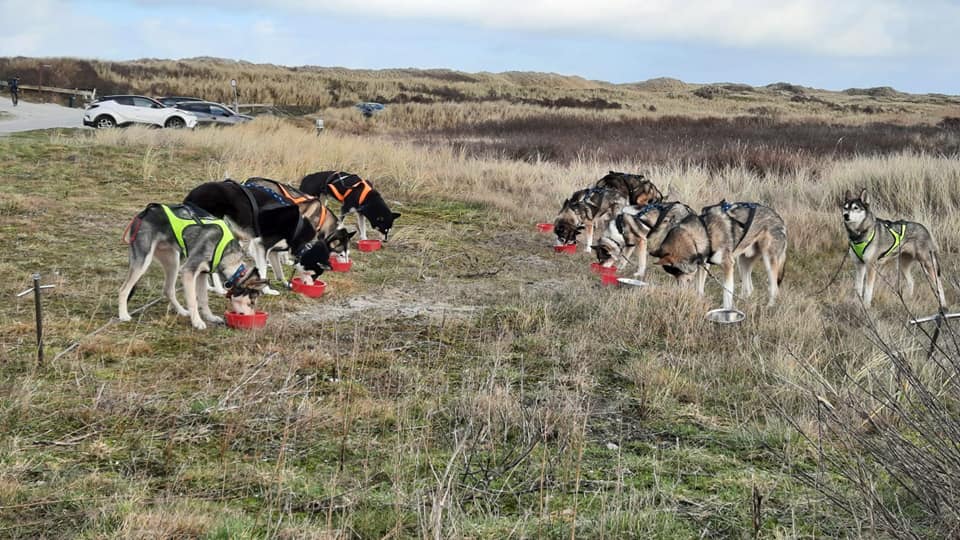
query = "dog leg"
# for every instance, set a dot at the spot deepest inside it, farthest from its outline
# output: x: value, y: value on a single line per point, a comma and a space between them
x: 361, y: 226
x: 772, y: 272
x: 745, y: 265
x: 701, y: 280
x: 170, y: 260
x: 203, y: 299
x: 190, y: 291
x: 136, y: 271
x: 260, y: 261
x: 641, y: 248
x: 929, y: 265
x: 868, y: 286
x: 859, y: 279
x: 728, y: 281
x: 277, y: 265
x: 906, y: 278
x: 589, y: 232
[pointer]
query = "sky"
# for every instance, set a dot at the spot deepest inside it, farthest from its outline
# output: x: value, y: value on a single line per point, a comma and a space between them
x: 910, y: 45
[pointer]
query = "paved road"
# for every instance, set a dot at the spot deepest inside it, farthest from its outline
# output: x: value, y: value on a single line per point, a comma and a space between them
x: 28, y: 116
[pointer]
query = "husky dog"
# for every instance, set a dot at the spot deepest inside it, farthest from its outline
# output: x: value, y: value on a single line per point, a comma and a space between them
x: 640, y: 228
x: 728, y: 235
x: 586, y: 209
x: 634, y: 187
x: 355, y: 195
x: 876, y: 242
x: 265, y: 219
x: 207, y: 243
x: 326, y: 224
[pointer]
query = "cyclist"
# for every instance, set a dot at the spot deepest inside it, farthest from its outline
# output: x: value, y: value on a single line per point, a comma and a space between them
x: 14, y: 84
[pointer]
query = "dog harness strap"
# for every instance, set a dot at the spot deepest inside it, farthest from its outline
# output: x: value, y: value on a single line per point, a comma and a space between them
x: 302, y: 198
x: 323, y: 216
x: 746, y: 226
x: 897, y: 238
x: 859, y: 247
x: 365, y: 191
x: 179, y: 224
x: 336, y: 193
x: 254, y: 207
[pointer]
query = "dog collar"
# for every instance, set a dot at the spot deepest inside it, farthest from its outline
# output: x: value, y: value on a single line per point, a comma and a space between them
x: 237, y: 275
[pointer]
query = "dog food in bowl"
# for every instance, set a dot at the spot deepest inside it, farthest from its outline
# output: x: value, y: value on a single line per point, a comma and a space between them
x: 246, y: 322
x: 544, y: 227
x: 565, y: 248
x: 369, y: 245
x: 340, y: 265
x: 598, y: 268
x: 310, y: 291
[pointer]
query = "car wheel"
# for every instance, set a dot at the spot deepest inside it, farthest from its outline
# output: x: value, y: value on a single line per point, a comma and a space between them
x: 105, y: 122
x: 175, y: 122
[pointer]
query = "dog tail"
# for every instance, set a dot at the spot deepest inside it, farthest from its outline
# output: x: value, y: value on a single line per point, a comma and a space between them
x: 130, y: 233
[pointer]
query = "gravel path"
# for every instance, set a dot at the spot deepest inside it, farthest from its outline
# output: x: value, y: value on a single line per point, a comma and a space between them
x: 29, y: 116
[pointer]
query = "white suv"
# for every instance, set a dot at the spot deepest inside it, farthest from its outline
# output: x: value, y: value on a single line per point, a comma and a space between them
x: 112, y: 111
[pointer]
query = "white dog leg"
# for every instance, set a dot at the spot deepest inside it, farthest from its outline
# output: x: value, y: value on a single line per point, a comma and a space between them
x: 728, y: 283
x: 134, y: 274
x: 203, y: 299
x: 859, y: 280
x: 587, y: 248
x: 260, y: 261
x: 772, y: 279
x: 217, y: 284
x: 868, y: 286
x: 362, y: 226
x: 170, y: 260
x: 190, y: 291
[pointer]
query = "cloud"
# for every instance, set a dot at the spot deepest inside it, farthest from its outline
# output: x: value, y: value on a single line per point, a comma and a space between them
x: 851, y: 28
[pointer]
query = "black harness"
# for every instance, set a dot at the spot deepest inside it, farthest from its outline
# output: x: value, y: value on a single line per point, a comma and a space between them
x: 254, y: 207
x: 752, y: 207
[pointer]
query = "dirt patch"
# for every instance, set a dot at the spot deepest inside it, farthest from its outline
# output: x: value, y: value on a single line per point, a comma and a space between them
x: 390, y: 303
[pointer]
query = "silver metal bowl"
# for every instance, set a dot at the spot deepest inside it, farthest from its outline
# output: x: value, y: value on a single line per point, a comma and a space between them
x: 632, y: 282
x: 725, y: 316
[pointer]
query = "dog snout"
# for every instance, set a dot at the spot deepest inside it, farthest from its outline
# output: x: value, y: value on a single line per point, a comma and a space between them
x: 846, y: 217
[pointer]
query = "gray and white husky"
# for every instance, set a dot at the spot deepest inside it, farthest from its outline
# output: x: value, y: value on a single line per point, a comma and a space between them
x: 168, y: 233
x: 640, y: 229
x: 877, y: 242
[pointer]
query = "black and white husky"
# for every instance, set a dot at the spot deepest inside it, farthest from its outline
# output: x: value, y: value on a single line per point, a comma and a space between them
x: 265, y: 220
x: 208, y: 246
x: 355, y: 195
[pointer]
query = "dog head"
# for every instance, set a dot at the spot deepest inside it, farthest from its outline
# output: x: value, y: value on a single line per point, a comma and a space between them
x: 339, y: 240
x: 647, y: 193
x: 242, y: 296
x: 378, y: 214
x: 568, y: 224
x: 607, y: 251
x: 678, y: 254
x: 315, y: 258
x: 854, y: 209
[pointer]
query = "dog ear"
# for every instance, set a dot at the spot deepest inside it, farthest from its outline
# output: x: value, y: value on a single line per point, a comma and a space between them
x: 863, y: 196
x: 351, y: 234
x: 396, y: 215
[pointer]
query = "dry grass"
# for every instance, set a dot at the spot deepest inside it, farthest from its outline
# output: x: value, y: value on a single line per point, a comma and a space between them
x: 551, y: 407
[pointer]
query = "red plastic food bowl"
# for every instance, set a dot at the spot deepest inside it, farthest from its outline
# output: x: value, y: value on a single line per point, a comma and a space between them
x: 609, y: 280
x: 310, y: 291
x: 598, y: 268
x: 369, y: 245
x: 544, y: 227
x: 565, y: 248
x: 246, y: 322
x: 338, y: 265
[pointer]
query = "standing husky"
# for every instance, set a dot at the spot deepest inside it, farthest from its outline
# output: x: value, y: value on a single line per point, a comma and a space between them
x: 355, y: 195
x: 728, y: 235
x: 169, y: 232
x: 872, y: 240
x: 640, y: 228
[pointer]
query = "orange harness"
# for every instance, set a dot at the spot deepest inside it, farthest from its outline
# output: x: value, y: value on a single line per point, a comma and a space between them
x: 295, y: 200
x: 342, y: 196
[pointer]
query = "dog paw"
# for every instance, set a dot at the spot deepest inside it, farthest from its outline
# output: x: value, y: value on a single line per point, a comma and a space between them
x: 270, y: 290
x: 199, y: 324
x: 183, y: 312
x: 213, y: 319
x: 125, y: 318
x: 221, y: 291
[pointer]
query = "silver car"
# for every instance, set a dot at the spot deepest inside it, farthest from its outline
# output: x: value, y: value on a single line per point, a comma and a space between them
x: 209, y: 113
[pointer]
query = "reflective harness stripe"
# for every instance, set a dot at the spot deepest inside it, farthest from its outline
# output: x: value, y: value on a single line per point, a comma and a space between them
x: 860, y: 247
x: 294, y: 199
x: 179, y: 224
x: 342, y: 196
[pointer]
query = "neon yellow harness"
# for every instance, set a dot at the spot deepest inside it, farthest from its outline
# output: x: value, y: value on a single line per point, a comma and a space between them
x: 860, y: 247
x: 179, y: 224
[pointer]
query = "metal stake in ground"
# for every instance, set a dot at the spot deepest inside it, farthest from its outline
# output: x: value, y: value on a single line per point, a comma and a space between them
x: 38, y: 306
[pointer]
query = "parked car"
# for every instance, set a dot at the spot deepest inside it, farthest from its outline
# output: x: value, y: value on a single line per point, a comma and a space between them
x: 112, y: 111
x: 170, y: 101
x: 209, y: 113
